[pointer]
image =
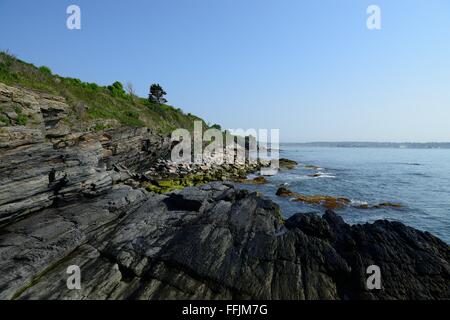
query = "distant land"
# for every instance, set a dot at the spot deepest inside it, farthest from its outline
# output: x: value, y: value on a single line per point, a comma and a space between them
x: 395, y: 145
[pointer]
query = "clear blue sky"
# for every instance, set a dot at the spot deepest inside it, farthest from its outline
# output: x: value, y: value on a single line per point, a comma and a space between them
x: 310, y: 68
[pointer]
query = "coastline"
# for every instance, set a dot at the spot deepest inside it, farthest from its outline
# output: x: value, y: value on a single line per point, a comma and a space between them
x: 79, y: 198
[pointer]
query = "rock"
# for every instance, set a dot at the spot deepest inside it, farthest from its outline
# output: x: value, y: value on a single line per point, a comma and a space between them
x: 331, y: 202
x: 260, y: 180
x: 43, y: 111
x: 413, y: 263
x: 284, y: 192
x: 257, y: 180
x: 381, y: 205
x: 80, y: 165
x: 311, y: 167
x: 13, y: 137
x: 213, y: 242
x: 287, y: 164
x: 11, y: 115
x: 328, y: 202
x: 40, y: 242
x: 314, y: 175
x: 312, y: 225
x: 388, y: 204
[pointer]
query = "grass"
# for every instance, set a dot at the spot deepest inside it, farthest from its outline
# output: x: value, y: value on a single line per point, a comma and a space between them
x: 102, y: 102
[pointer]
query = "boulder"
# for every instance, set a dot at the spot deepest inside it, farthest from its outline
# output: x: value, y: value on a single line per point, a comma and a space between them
x: 287, y: 164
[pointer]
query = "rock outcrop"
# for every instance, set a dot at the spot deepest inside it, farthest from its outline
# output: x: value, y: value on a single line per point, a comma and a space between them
x: 40, y: 111
x: 46, y: 162
x: 213, y: 242
x: 36, y: 172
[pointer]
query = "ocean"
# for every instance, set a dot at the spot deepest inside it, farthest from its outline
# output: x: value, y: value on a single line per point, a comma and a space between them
x: 418, y: 179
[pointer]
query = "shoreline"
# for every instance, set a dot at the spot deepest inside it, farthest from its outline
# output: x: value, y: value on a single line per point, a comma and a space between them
x: 76, y: 198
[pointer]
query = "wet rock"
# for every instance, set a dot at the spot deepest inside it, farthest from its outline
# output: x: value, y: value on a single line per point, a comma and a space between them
x: 328, y: 202
x: 314, y: 175
x: 256, y: 181
x: 381, y: 205
x: 287, y: 164
x: 388, y: 204
x: 284, y: 192
x: 312, y: 167
x: 331, y: 202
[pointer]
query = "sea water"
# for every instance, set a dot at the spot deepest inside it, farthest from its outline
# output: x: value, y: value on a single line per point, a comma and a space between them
x: 418, y: 179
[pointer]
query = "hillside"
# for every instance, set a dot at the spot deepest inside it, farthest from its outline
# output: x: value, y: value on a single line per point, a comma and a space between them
x: 94, y: 107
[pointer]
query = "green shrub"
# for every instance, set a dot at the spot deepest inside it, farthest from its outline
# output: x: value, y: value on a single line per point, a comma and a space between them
x: 17, y: 110
x: 116, y: 90
x: 45, y: 70
x: 5, y: 120
x: 22, y: 120
x: 93, y: 86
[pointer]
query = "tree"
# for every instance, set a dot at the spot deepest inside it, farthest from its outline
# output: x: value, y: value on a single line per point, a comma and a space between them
x: 157, y: 94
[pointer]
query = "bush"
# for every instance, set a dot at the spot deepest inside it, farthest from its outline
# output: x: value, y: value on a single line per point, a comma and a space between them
x: 5, y: 120
x: 92, y: 86
x: 45, y: 70
x: 73, y: 81
x: 22, y: 119
x: 116, y: 90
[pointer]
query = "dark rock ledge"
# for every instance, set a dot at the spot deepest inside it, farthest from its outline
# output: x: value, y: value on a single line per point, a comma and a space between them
x: 212, y: 242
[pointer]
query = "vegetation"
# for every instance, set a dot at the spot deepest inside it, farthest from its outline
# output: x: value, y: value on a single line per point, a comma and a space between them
x: 45, y: 69
x: 113, y: 102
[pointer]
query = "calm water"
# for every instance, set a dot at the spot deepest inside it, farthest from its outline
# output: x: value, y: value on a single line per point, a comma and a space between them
x: 418, y: 179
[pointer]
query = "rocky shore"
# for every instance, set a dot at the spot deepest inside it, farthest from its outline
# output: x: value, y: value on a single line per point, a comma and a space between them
x: 140, y: 227
x: 212, y: 242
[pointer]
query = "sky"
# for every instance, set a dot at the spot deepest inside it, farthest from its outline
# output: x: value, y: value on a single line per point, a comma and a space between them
x: 309, y: 68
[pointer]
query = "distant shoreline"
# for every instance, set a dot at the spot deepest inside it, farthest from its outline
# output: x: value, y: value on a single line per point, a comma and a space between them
x: 392, y: 145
